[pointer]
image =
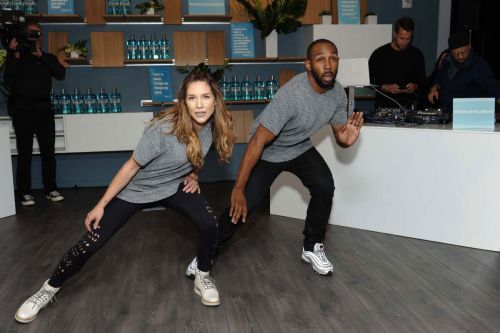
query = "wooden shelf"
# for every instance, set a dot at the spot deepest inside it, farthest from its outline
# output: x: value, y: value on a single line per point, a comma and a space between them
x: 149, y: 61
x: 264, y: 60
x: 60, y: 18
x: 77, y: 61
x: 133, y: 18
x: 148, y: 103
x: 206, y: 18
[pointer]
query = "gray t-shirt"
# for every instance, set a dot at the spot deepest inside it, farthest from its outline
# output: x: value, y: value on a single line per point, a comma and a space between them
x: 296, y: 113
x: 164, y: 163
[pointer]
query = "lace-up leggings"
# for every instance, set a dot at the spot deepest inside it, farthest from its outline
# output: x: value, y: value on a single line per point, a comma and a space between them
x: 118, y: 212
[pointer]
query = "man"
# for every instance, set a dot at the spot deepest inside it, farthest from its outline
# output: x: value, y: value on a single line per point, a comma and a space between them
x: 398, y: 68
x: 463, y: 74
x: 281, y: 142
x: 28, y: 73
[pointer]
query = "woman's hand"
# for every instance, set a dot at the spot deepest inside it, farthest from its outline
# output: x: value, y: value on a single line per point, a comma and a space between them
x: 94, y: 218
x: 191, y: 183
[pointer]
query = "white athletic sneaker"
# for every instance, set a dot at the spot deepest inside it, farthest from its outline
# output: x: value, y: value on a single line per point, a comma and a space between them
x: 191, y: 269
x: 318, y: 260
x: 54, y: 196
x: 204, y: 285
x: 27, y: 200
x: 29, y: 309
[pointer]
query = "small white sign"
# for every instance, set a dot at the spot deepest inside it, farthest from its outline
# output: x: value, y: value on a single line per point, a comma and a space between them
x: 407, y: 3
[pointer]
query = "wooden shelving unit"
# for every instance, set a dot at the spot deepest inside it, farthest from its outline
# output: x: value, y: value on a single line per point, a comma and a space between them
x: 206, y: 18
x: 133, y: 18
x: 264, y: 60
x: 77, y: 61
x: 149, y: 61
x: 63, y: 18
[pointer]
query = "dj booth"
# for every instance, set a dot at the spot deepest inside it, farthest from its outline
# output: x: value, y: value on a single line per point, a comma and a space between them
x: 428, y: 182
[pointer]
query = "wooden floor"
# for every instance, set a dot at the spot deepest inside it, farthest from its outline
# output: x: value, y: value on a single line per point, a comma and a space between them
x: 136, y: 283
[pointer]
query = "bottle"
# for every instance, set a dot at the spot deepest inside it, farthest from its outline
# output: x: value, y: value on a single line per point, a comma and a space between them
x: 102, y: 101
x: 164, y: 47
x: 142, y: 47
x: 226, y: 90
x: 124, y: 7
x: 153, y: 49
x: 114, y: 7
x: 259, y: 89
x: 64, y: 102
x: 246, y: 90
x: 54, y: 101
x: 77, y: 102
x: 30, y: 7
x: 17, y: 5
x: 271, y: 87
x: 90, y: 101
x: 131, y: 47
x: 115, y: 101
x: 235, y: 89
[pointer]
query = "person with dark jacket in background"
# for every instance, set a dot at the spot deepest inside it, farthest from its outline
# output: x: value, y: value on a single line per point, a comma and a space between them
x: 28, y: 74
x: 398, y: 68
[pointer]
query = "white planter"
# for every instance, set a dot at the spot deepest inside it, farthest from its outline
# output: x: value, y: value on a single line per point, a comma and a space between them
x: 151, y: 11
x: 272, y: 45
x: 73, y: 54
x: 326, y: 19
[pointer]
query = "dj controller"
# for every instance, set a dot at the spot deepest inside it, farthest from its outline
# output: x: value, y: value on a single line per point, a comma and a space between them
x: 400, y: 116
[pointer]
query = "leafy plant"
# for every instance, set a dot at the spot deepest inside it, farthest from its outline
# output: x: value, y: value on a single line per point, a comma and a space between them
x: 4, y: 90
x: 281, y: 15
x: 146, y: 5
x: 78, y: 47
x: 202, y: 67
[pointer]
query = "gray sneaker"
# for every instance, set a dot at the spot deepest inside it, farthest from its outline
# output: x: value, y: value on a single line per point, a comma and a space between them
x: 191, y: 269
x: 318, y: 260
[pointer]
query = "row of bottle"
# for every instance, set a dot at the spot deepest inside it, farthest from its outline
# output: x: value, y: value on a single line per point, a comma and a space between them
x: 119, y: 7
x: 89, y: 102
x: 147, y: 49
x: 247, y: 90
x: 26, y: 6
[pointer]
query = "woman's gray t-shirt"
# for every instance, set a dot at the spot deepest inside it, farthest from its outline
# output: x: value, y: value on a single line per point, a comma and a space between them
x: 296, y: 113
x: 164, y: 163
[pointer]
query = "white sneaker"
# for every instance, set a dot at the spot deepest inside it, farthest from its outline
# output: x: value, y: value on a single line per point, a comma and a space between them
x: 318, y: 260
x: 191, y: 269
x: 54, y: 196
x: 27, y: 200
x: 204, y: 285
x: 29, y: 309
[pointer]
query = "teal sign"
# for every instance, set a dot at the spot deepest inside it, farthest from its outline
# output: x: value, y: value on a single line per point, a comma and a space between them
x: 60, y: 7
x: 474, y: 113
x: 160, y: 79
x: 242, y: 43
x: 207, y: 7
x: 348, y: 11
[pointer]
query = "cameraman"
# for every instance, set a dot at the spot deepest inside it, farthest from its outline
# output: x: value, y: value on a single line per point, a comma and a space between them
x: 28, y: 74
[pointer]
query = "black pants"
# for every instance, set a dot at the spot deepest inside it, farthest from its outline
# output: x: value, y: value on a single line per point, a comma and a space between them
x: 312, y: 170
x: 28, y: 120
x: 118, y: 212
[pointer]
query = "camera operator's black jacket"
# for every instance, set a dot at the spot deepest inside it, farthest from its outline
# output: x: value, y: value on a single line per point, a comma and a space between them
x: 30, y: 78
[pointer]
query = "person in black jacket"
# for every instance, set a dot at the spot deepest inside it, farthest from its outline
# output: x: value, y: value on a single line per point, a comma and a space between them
x: 398, y: 68
x: 28, y: 74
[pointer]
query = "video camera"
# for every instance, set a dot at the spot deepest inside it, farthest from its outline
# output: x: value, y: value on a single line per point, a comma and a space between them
x: 12, y: 24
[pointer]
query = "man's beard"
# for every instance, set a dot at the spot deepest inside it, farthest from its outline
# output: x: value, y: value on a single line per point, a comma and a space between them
x: 320, y: 83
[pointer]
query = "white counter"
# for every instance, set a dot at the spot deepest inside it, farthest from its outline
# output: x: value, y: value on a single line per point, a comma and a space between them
x: 7, y: 203
x: 427, y: 183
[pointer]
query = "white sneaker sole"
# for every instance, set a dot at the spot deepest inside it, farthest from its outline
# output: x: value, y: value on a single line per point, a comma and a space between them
x: 324, y: 272
x: 27, y: 204
x: 29, y: 320
x: 55, y: 199
x: 204, y: 301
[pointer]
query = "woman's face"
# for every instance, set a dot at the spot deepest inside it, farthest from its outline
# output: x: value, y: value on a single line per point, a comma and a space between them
x: 200, y: 102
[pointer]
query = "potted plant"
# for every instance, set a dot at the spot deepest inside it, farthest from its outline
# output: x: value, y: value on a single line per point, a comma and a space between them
x: 326, y: 17
x: 279, y: 16
x: 76, y: 49
x: 149, y: 7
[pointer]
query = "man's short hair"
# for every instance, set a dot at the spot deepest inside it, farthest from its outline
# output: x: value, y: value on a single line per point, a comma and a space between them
x: 405, y: 23
x: 316, y: 42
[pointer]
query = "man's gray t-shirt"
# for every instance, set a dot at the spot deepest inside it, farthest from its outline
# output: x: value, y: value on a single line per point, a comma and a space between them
x: 296, y: 113
x: 164, y: 163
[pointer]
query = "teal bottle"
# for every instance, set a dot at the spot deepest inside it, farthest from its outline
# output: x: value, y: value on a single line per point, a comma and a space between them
x: 154, y: 48
x: 164, y: 47
x: 142, y: 47
x: 246, y: 90
x: 115, y: 99
x: 90, y: 101
x: 235, y: 89
x: 102, y: 101
x: 64, y: 102
x: 125, y: 7
x: 30, y: 7
x: 77, y: 105
x: 259, y: 89
x: 225, y: 89
x: 114, y: 7
x: 132, y: 48
x: 271, y: 87
x: 54, y: 101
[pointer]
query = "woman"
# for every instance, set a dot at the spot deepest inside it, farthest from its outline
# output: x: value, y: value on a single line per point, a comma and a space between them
x: 163, y: 169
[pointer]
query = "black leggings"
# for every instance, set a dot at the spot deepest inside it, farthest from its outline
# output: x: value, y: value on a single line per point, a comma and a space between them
x: 118, y: 212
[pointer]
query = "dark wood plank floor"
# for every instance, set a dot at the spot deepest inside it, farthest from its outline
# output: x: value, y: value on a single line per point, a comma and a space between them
x: 136, y: 283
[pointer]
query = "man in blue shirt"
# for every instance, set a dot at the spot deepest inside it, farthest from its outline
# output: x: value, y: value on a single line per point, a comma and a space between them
x: 463, y: 74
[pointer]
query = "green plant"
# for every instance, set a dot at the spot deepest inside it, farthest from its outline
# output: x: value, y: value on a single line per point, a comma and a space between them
x: 4, y: 90
x: 202, y: 67
x: 78, y: 47
x: 281, y: 15
x: 146, y: 5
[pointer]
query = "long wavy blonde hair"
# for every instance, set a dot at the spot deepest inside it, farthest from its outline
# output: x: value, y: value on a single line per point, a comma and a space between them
x: 185, y: 129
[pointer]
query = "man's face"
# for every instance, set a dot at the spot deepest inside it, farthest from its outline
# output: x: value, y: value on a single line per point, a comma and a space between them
x: 323, y: 65
x: 461, y: 54
x: 402, y: 39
